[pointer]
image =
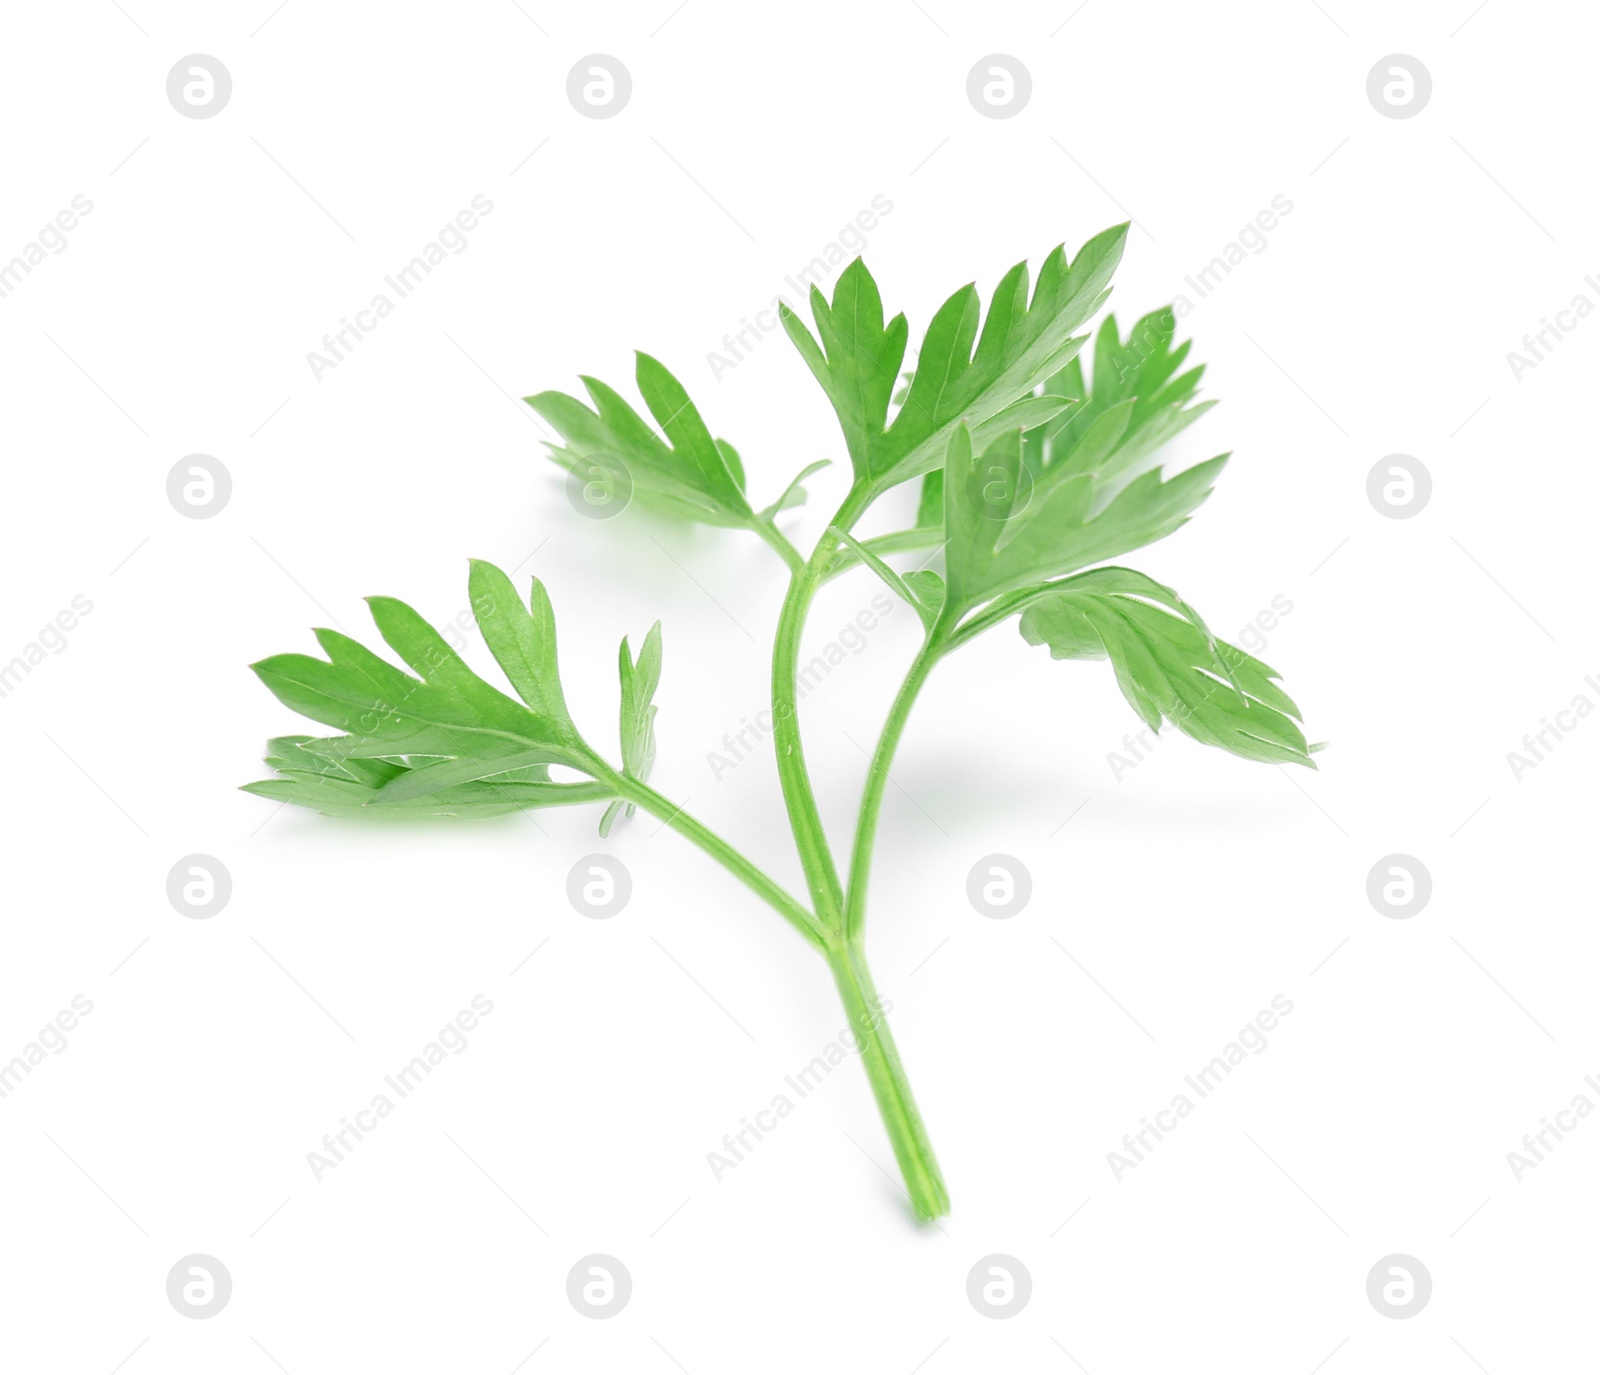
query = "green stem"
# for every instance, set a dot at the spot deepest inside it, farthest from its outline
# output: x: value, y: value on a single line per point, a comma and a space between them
x: 877, y: 780
x: 779, y: 542
x: 866, y: 1010
x: 822, y: 876
x: 685, y: 825
x: 1002, y: 607
x: 897, y: 542
x: 825, y: 929
x: 846, y: 958
x: 868, y: 1020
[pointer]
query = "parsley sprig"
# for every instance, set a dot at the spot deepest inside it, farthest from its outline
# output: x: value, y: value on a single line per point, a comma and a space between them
x: 1035, y: 472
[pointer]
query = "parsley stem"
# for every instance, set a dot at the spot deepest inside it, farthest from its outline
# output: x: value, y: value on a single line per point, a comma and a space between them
x: 822, y: 876
x: 933, y: 646
x: 907, y: 1135
x: 1000, y: 609
x: 896, y: 542
x: 866, y: 1010
x: 846, y: 955
x: 756, y: 879
x: 779, y: 542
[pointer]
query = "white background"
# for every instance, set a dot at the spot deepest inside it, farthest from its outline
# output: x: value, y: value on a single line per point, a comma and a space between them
x: 1171, y: 908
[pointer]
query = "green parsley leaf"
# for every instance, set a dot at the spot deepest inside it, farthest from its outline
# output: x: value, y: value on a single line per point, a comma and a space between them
x: 341, y: 785
x: 640, y: 678
x: 1134, y: 407
x: 1007, y: 529
x: 521, y: 638
x: 990, y: 388
x: 1168, y: 665
x: 677, y: 467
x: 445, y: 734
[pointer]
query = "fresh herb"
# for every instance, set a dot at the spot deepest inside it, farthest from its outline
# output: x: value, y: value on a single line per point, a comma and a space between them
x: 1033, y: 475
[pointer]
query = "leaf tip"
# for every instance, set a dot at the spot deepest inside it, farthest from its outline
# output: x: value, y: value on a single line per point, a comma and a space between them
x: 643, y: 362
